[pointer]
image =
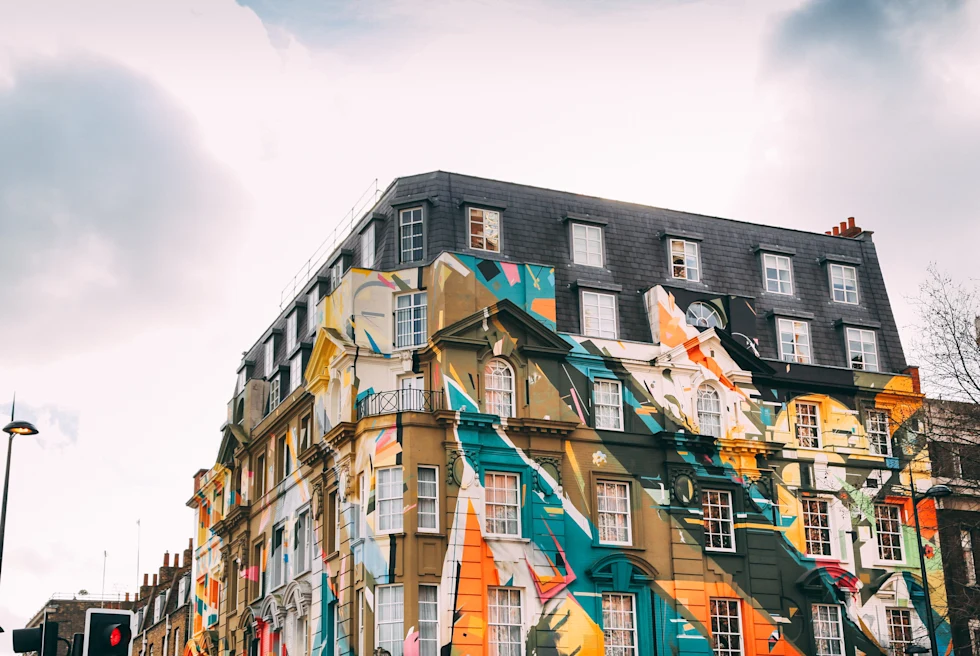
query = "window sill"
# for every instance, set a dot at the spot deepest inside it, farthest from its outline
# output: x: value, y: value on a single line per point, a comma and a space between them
x: 389, y: 534
x: 610, y: 545
x: 724, y: 552
x: 507, y: 538
x: 429, y: 534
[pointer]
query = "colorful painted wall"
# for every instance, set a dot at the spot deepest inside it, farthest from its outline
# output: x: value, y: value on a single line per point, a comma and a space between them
x: 479, y: 310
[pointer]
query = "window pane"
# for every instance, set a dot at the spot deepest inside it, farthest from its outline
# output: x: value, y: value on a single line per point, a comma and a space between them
x: 816, y: 525
x: 719, y: 527
x: 608, y: 402
x: 390, y: 618
x: 427, y: 498
x: 726, y: 627
x: 502, y: 503
x: 428, y: 620
x: 499, y: 383
x: 619, y: 624
x: 505, y: 631
x: 808, y: 425
x: 613, y: 502
x: 709, y: 411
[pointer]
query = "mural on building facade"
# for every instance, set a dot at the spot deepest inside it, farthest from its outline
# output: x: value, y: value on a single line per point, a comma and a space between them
x: 778, y: 471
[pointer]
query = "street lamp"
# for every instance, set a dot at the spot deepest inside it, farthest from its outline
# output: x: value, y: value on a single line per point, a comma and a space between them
x: 11, y: 429
x: 934, y: 492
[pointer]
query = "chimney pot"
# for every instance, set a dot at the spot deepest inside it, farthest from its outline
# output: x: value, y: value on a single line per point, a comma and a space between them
x: 166, y: 559
x: 176, y: 559
x: 828, y: 233
x: 146, y: 579
x: 843, y: 226
x: 154, y: 580
x: 836, y: 231
x: 127, y: 596
x: 850, y: 222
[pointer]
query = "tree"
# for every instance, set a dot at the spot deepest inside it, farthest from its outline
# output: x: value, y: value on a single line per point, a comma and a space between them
x: 947, y: 347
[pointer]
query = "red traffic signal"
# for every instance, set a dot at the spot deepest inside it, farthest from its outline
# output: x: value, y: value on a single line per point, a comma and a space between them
x: 107, y: 632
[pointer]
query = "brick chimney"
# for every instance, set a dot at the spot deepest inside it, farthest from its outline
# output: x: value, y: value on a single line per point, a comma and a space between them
x: 145, y: 588
x: 166, y: 572
x: 176, y: 561
x: 189, y: 550
x: 845, y: 229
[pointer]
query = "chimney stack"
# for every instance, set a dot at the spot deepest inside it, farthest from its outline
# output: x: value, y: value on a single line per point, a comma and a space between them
x: 845, y: 229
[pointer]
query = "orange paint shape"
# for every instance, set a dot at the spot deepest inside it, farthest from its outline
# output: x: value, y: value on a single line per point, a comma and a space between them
x: 545, y: 307
x: 477, y: 571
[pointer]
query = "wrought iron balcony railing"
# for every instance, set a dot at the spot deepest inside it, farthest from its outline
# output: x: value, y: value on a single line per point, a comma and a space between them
x: 409, y: 400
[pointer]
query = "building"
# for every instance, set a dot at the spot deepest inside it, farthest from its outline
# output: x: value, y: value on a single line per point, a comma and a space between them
x: 68, y: 610
x: 954, y: 446
x: 163, y: 610
x: 504, y: 419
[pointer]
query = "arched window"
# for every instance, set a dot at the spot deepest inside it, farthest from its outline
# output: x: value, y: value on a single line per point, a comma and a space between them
x: 709, y: 411
x: 702, y: 315
x: 499, y: 381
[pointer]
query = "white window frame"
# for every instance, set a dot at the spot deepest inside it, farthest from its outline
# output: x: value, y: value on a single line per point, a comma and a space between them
x: 703, y: 411
x: 591, y: 299
x: 838, y: 625
x: 686, y: 267
x: 240, y: 381
x: 182, y: 590
x: 494, y: 647
x: 411, y: 393
x: 969, y: 559
x: 418, y: 302
x: 774, y: 261
x: 396, y: 605
x: 702, y: 315
x: 798, y: 426
x: 726, y: 523
x: 390, y: 506
x: 584, y: 241
x: 368, y: 248
x: 279, y: 574
x: 825, y: 533
x: 336, y: 275
x: 890, y: 612
x: 604, y: 390
x: 275, y: 392
x: 502, y: 504
x: 716, y: 619
x: 603, y: 510
x: 365, y: 493
x: 437, y: 639
x: 798, y: 356
x: 840, y: 272
x: 303, y: 538
x: 897, y: 510
x: 879, y: 432
x: 338, y: 517
x: 296, y: 372
x: 311, y: 301
x: 433, y: 498
x: 159, y: 606
x: 336, y: 629
x: 270, y: 355
x: 485, y: 216
x: 496, y: 398
x: 292, y: 326
x: 974, y: 625
x: 861, y: 333
x: 612, y: 649
x: 412, y: 222
x: 359, y: 600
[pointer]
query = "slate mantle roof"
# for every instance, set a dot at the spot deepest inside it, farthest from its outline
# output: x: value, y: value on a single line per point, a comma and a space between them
x: 535, y: 229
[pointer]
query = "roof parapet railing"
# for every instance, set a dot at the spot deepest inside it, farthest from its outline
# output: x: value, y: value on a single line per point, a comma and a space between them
x: 334, y: 238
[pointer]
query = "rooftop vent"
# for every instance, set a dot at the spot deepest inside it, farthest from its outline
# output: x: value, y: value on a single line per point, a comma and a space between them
x: 845, y: 229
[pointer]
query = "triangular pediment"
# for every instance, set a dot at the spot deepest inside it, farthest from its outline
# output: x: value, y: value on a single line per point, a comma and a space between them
x: 475, y: 330
x: 232, y: 436
x: 327, y: 346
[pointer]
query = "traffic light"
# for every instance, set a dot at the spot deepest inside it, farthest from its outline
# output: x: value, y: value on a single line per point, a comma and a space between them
x: 44, y: 636
x: 107, y: 632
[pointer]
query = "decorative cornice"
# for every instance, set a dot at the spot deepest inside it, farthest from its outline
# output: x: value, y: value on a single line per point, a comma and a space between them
x: 235, y: 516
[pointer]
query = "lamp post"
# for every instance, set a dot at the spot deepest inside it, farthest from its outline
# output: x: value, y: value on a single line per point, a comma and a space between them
x: 11, y: 429
x: 934, y: 492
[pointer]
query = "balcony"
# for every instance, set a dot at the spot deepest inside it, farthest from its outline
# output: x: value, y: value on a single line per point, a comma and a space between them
x: 407, y: 400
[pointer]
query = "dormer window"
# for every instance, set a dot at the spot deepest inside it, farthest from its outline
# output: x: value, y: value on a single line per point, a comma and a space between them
x: 779, y: 273
x: 684, y: 261
x: 274, y: 393
x: 587, y: 244
x: 843, y: 284
x: 291, y: 332
x: 270, y: 355
x: 296, y: 371
x: 410, y: 238
x: 336, y: 273
x: 484, y: 229
x: 862, y: 349
x: 311, y: 300
x: 367, y: 247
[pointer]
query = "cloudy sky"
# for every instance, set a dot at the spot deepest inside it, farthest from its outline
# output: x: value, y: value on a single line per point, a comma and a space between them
x: 166, y: 165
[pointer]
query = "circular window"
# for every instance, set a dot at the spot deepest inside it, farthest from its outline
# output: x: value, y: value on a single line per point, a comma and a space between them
x: 703, y: 315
